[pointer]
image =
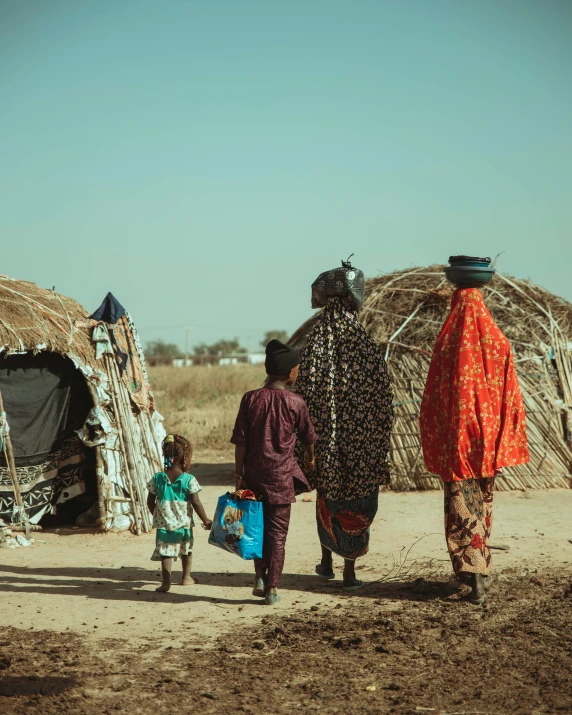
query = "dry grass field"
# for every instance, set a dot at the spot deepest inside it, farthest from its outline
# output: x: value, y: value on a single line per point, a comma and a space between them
x: 201, y: 402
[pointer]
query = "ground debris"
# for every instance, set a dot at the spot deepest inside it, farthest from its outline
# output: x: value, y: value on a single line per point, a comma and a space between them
x: 416, y: 656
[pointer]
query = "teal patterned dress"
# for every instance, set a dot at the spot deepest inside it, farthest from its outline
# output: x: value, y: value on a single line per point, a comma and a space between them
x: 173, y: 515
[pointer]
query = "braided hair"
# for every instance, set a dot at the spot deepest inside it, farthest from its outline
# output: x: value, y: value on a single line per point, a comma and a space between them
x: 177, y: 450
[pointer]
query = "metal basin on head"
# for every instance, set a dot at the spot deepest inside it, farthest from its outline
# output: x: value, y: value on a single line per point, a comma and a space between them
x: 469, y: 271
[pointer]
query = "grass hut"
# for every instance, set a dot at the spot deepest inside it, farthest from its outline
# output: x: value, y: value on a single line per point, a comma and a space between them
x: 404, y: 312
x: 79, y: 431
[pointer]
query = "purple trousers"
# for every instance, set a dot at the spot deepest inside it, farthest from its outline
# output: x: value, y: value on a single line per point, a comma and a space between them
x: 276, y: 523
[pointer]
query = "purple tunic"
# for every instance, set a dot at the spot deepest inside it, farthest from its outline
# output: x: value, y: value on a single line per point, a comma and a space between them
x: 267, y: 424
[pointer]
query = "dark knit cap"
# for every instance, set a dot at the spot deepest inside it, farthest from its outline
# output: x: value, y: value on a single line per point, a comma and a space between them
x: 280, y: 358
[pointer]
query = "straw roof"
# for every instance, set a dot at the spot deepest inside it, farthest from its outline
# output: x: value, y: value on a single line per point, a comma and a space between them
x: 33, y: 318
x: 404, y: 312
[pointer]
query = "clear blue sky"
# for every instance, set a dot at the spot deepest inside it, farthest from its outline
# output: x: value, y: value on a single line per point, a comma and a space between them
x: 205, y: 160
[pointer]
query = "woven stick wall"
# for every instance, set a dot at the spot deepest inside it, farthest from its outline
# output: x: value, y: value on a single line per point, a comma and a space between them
x: 404, y: 312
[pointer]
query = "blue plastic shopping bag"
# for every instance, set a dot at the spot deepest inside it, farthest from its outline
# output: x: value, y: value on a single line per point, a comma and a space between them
x: 238, y: 527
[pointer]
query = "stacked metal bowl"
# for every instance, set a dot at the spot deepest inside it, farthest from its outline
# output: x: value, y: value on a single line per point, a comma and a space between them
x: 469, y: 271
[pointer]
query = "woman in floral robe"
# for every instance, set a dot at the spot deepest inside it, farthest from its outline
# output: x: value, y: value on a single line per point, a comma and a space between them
x: 472, y: 424
x: 344, y: 381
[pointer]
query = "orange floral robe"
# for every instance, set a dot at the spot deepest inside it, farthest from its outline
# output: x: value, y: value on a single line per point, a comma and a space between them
x: 472, y: 424
x: 472, y: 414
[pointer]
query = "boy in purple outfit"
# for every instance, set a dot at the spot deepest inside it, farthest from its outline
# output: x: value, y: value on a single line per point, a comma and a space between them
x: 268, y: 423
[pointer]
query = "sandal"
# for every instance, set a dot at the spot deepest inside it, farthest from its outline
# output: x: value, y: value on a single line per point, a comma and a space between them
x: 259, y: 588
x: 354, y: 587
x: 323, y: 573
x: 475, y: 600
x: 477, y: 596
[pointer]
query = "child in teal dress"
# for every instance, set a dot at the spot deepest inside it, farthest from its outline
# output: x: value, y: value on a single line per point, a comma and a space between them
x: 173, y: 494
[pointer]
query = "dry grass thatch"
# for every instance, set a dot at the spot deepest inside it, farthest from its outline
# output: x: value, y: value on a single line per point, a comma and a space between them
x: 31, y: 317
x: 404, y: 312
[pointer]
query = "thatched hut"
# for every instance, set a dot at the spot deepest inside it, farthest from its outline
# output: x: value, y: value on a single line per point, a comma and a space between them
x: 80, y: 434
x: 404, y: 312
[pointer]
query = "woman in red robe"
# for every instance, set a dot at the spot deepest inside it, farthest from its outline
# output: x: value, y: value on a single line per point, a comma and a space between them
x: 472, y: 425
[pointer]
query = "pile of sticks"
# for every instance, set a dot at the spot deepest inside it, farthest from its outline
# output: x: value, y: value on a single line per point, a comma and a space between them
x: 22, y: 522
x: 140, y: 455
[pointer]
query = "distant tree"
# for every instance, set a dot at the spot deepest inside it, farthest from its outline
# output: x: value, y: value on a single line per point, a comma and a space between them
x: 269, y: 335
x: 201, y: 349
x: 220, y: 348
x: 157, y: 352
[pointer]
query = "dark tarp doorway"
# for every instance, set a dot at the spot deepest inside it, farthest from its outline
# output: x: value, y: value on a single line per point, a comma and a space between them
x: 47, y: 400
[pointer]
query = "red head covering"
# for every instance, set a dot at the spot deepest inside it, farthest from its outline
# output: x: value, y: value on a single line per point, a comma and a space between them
x: 472, y: 414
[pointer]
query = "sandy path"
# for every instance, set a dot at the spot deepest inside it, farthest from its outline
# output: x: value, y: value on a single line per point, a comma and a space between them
x: 104, y: 585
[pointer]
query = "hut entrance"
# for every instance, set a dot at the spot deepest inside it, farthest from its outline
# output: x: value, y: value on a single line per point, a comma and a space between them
x: 47, y: 400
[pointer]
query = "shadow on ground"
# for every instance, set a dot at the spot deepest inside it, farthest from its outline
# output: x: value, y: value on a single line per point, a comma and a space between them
x: 133, y: 584
x: 213, y: 475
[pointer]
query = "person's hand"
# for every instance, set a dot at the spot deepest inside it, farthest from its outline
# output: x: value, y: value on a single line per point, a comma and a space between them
x: 208, y: 525
x: 310, y: 466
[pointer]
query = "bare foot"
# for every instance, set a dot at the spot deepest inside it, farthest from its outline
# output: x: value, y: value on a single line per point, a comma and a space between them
x: 189, y: 581
x: 163, y: 588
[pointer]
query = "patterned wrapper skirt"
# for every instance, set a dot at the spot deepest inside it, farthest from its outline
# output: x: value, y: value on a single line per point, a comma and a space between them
x: 173, y: 544
x: 343, y: 526
x: 468, y: 523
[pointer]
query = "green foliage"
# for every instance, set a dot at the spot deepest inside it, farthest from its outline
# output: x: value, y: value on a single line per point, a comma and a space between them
x: 158, y: 352
x: 221, y: 348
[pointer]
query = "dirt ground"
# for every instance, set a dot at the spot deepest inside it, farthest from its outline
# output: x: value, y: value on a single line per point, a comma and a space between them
x: 82, y: 629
